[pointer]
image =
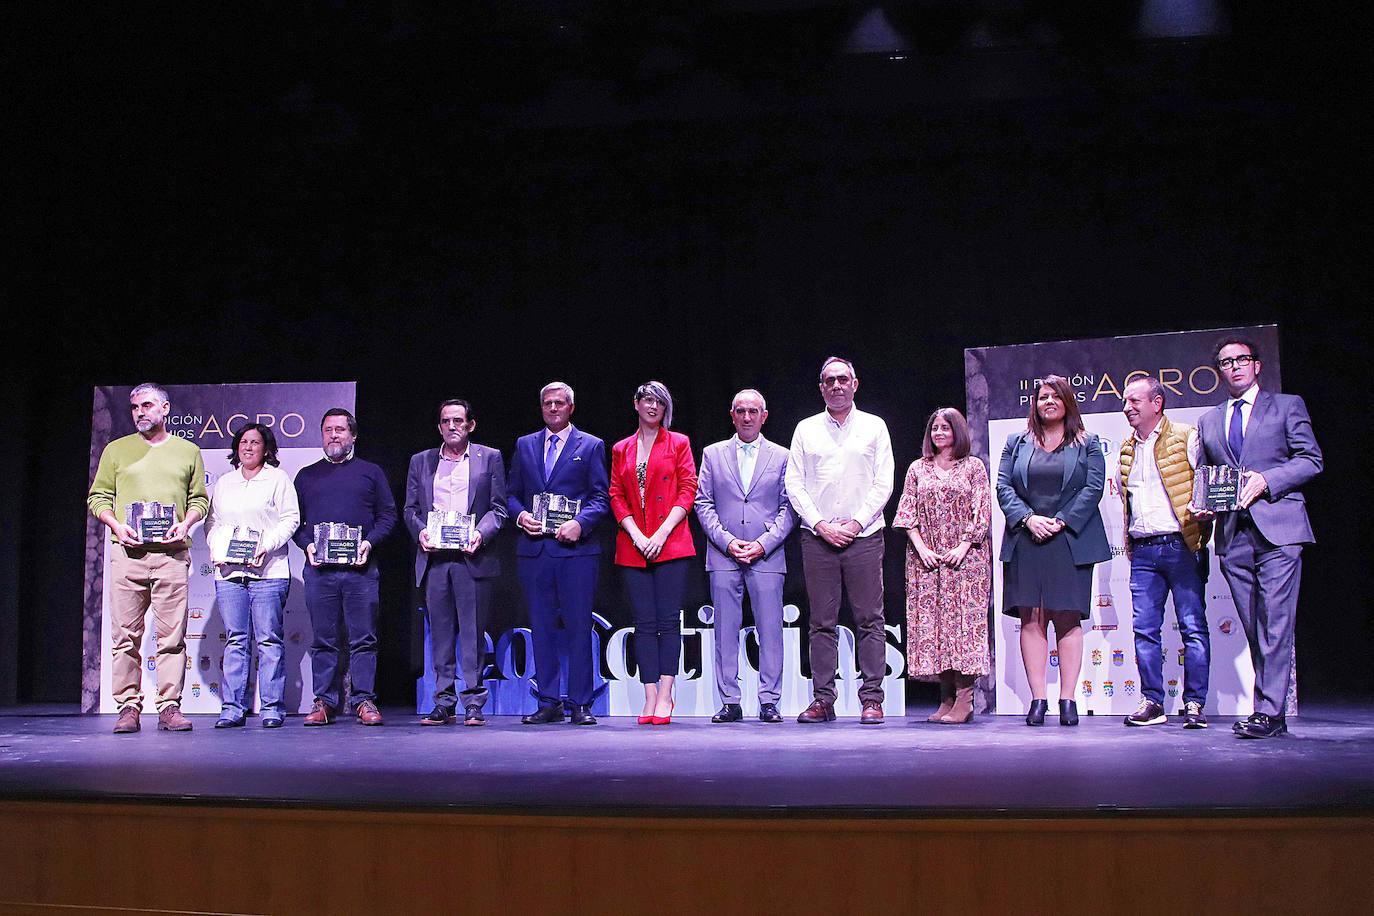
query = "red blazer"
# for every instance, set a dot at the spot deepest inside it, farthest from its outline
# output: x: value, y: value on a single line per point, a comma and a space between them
x: 670, y: 480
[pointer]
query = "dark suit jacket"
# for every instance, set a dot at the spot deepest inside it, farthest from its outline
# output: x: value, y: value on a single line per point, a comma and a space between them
x: 580, y: 473
x: 486, y: 500
x: 669, y: 480
x: 1280, y: 445
x: 726, y: 510
x: 1085, y: 476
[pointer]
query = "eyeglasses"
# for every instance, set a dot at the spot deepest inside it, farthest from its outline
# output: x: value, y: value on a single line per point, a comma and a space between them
x: 1239, y: 362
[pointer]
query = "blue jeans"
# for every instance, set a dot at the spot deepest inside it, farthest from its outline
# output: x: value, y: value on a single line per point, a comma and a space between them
x: 1160, y: 566
x: 253, y: 609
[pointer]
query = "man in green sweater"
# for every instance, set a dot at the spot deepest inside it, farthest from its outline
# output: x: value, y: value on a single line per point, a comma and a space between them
x: 151, y: 465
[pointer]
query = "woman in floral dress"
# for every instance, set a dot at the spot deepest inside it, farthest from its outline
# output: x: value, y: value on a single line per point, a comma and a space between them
x: 946, y: 509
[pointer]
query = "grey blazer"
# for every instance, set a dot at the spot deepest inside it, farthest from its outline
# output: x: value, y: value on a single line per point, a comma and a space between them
x: 1085, y: 476
x: 486, y: 500
x: 727, y: 510
x: 1280, y: 445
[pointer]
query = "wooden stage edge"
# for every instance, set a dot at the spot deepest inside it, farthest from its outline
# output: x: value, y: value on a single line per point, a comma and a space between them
x: 184, y: 857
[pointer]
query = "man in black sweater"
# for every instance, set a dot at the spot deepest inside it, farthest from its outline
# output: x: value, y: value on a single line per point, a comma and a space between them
x: 342, y: 597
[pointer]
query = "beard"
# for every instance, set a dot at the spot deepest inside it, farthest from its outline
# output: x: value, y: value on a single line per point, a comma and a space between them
x: 336, y: 450
x: 145, y: 425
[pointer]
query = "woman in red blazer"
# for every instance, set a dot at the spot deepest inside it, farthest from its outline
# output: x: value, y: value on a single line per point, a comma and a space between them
x: 653, y: 483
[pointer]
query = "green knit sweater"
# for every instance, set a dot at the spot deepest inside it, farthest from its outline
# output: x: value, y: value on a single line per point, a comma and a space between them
x: 133, y: 471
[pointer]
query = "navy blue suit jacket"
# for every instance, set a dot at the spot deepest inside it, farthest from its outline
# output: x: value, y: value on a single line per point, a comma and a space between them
x: 1085, y: 476
x: 579, y: 473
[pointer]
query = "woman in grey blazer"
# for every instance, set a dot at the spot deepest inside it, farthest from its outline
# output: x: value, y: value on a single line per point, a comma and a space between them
x: 1049, y: 484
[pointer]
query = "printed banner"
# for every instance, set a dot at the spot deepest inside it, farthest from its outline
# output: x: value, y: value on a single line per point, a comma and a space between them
x: 1002, y: 383
x: 207, y: 415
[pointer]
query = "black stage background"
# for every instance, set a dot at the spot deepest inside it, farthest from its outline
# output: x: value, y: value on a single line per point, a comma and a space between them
x: 474, y: 202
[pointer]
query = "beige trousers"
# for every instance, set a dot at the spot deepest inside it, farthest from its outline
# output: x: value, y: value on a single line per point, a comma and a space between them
x: 141, y: 578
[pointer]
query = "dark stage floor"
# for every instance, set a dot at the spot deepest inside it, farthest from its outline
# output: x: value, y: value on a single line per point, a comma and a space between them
x: 995, y: 767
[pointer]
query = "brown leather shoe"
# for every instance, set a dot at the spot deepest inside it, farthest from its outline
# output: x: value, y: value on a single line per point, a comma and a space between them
x: 818, y: 711
x: 128, y: 720
x: 170, y: 719
x: 368, y: 714
x: 322, y: 714
x: 872, y: 714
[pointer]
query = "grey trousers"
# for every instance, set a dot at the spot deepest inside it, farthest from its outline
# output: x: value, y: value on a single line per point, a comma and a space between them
x: 1264, y: 581
x: 457, y: 607
x: 765, y: 600
x: 859, y: 569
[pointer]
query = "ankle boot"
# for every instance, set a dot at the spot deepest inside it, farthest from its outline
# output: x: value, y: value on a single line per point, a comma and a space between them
x: 946, y: 696
x: 1036, y: 715
x: 962, y: 710
x: 1068, y: 712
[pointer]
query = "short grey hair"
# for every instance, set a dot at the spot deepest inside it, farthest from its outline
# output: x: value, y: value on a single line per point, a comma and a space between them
x: 755, y: 392
x: 150, y: 387
x: 853, y: 373
x: 564, y: 385
x: 1155, y: 386
x: 660, y: 391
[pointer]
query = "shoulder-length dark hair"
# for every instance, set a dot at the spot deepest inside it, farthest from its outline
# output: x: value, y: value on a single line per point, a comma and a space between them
x: 963, y: 442
x: 1073, y: 419
x: 269, y: 445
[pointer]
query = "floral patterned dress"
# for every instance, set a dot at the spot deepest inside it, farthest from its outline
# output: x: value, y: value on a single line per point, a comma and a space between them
x: 947, y: 609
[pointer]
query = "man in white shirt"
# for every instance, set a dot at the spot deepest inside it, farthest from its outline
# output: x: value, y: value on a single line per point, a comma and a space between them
x: 839, y: 478
x: 1164, y: 541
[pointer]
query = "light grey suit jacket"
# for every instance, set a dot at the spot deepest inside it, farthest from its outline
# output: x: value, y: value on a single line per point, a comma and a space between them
x: 727, y: 510
x: 486, y: 501
x: 1280, y: 445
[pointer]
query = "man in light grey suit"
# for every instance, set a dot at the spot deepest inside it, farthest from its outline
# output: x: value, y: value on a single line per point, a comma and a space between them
x: 1260, y: 546
x: 743, y: 507
x: 469, y: 478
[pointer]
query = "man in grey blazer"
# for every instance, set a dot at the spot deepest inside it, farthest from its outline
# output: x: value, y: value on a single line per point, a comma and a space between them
x: 469, y: 478
x: 1260, y: 546
x: 743, y: 507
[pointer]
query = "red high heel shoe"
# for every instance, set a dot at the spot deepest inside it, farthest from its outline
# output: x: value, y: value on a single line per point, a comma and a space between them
x: 646, y: 720
x: 664, y: 720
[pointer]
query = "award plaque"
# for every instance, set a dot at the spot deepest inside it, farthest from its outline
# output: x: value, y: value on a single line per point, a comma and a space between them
x: 243, y: 543
x: 451, y: 530
x: 1216, y: 488
x: 336, y: 542
x: 552, y: 510
x: 152, y: 520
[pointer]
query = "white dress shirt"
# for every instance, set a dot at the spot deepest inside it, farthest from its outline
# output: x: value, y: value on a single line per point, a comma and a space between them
x: 451, y: 478
x: 266, y: 503
x: 1152, y: 512
x: 838, y: 471
x: 1247, y: 402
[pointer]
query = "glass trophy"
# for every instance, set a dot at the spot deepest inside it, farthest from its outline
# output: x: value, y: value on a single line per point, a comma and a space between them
x: 243, y: 544
x: 450, y: 530
x: 152, y: 520
x: 336, y: 542
x: 552, y: 510
x: 1216, y: 488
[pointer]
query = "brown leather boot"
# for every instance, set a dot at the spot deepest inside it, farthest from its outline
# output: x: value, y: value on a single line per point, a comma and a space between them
x: 946, y: 696
x: 128, y: 720
x: 170, y: 719
x: 962, y: 711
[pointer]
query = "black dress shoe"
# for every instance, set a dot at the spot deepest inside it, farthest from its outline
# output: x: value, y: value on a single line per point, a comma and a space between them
x: 1036, y: 714
x: 730, y: 712
x: 768, y: 712
x: 1260, y: 725
x: 1068, y: 712
x: 544, y: 715
x: 582, y: 715
x: 472, y: 715
x: 439, y: 715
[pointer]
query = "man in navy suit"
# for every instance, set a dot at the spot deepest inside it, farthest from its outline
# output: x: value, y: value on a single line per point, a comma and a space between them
x: 558, y: 570
x: 1260, y: 546
x: 465, y: 477
x: 743, y: 507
